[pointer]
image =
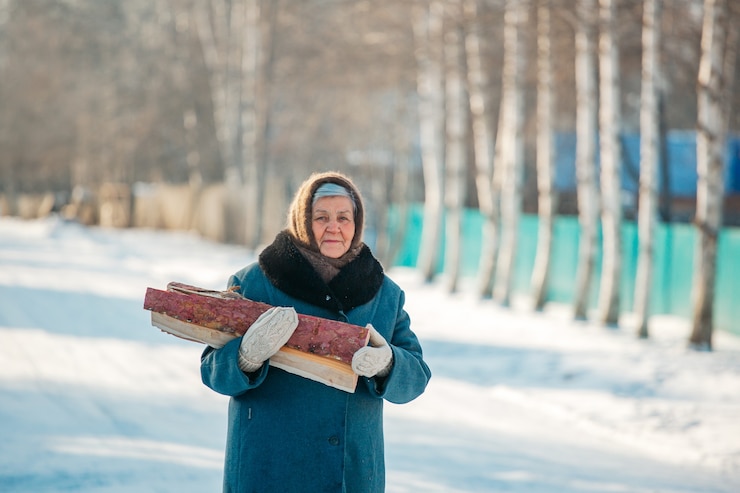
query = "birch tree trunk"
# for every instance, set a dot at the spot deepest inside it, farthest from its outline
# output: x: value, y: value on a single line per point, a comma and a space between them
x: 8, y: 174
x: 5, y: 7
x: 483, y: 145
x: 216, y: 23
x: 546, y: 201
x: 716, y: 71
x: 456, y: 161
x: 395, y: 185
x: 249, y: 119
x: 649, y: 163
x: 428, y: 36
x: 211, y: 20
x: 611, y: 167
x: 490, y: 252
x: 512, y: 122
x: 258, y: 62
x: 586, y: 125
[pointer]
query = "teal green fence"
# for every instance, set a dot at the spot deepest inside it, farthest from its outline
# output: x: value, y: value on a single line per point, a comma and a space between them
x: 672, y: 277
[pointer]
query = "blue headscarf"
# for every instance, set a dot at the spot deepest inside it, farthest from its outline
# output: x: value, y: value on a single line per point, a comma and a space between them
x: 332, y: 190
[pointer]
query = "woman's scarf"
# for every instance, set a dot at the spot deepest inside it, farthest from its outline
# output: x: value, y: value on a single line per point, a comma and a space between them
x: 336, y: 284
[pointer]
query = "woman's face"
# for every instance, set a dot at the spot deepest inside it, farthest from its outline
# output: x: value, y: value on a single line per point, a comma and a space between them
x: 333, y: 225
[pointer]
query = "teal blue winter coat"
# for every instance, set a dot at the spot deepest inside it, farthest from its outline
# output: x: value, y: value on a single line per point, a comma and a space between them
x: 288, y: 434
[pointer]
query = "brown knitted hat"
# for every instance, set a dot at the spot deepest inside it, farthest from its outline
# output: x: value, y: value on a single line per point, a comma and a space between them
x: 299, y: 214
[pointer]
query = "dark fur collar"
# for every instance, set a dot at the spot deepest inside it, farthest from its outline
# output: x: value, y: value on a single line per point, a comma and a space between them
x: 289, y: 271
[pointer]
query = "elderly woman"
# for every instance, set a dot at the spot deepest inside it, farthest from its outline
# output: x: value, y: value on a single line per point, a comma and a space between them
x: 290, y: 434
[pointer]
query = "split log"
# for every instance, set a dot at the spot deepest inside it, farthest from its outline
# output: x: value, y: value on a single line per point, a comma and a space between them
x: 320, y: 349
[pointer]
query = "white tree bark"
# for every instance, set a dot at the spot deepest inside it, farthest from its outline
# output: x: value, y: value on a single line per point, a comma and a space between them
x: 230, y: 34
x: 428, y: 37
x: 610, y: 120
x: 8, y: 178
x: 716, y: 71
x: 213, y: 30
x: 483, y: 146
x: 395, y: 185
x: 5, y: 6
x: 216, y: 23
x: 546, y: 201
x: 586, y: 125
x: 456, y: 161
x: 257, y: 67
x: 649, y: 162
x: 511, y: 141
x: 248, y: 14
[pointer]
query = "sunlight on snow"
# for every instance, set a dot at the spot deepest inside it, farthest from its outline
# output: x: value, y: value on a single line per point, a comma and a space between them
x: 132, y: 448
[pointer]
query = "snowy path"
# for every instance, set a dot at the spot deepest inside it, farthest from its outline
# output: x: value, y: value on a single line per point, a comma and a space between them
x: 94, y: 399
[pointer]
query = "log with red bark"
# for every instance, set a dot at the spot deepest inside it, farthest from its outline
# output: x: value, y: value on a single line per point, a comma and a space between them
x: 319, y: 349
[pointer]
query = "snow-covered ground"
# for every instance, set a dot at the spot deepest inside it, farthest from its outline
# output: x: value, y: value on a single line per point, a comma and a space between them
x: 95, y: 399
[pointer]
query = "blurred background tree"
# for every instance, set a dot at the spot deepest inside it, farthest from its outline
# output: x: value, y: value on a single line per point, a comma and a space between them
x: 207, y: 115
x: 102, y: 90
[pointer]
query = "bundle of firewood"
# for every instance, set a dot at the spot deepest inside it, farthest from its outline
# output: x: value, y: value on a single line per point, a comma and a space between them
x: 320, y: 349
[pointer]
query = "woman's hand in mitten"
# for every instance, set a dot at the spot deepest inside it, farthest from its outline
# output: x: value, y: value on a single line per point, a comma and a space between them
x: 376, y: 359
x: 266, y: 336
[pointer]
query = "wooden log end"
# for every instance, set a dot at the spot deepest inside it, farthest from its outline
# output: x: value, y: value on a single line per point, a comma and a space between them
x: 317, y: 368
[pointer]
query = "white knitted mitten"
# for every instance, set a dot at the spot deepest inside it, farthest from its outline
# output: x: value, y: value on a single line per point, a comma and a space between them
x: 375, y: 359
x: 266, y: 336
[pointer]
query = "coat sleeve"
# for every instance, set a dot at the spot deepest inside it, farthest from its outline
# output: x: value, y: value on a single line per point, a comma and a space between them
x: 409, y: 374
x: 220, y: 371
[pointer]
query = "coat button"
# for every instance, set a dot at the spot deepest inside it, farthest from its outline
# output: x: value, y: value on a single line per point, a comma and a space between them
x: 334, y: 440
x: 328, y: 297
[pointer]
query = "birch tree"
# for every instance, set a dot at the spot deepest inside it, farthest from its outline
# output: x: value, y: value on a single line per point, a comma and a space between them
x: 586, y: 125
x: 546, y: 199
x: 716, y: 74
x: 229, y: 33
x: 7, y: 175
x: 258, y: 67
x: 649, y: 162
x: 456, y: 149
x: 213, y: 30
x: 512, y: 142
x: 428, y: 25
x: 249, y: 143
x: 5, y: 6
x: 611, y: 166
x: 483, y: 145
x: 397, y: 183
